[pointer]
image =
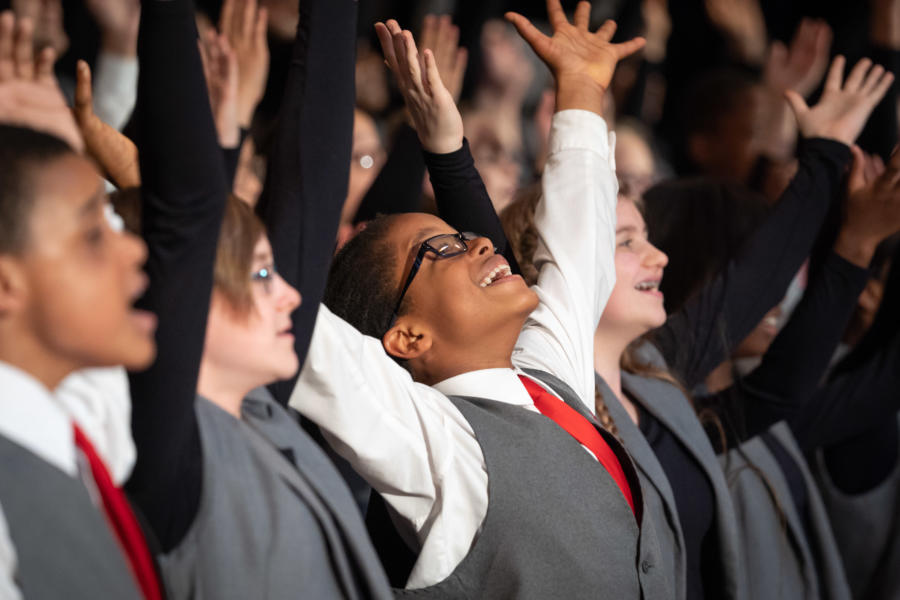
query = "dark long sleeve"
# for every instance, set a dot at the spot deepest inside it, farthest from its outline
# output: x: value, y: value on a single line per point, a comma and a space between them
x: 398, y: 186
x: 309, y: 165
x: 462, y: 199
x: 703, y: 333
x: 793, y: 366
x: 864, y: 388
x: 184, y: 190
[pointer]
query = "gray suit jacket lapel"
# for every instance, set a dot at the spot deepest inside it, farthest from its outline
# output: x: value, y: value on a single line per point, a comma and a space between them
x: 316, y: 481
x: 671, y: 408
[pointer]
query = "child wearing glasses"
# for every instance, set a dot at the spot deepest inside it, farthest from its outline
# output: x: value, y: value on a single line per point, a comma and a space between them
x: 481, y: 441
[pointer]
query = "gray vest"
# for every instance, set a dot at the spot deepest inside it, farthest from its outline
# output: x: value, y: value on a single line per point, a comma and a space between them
x: 557, y: 525
x: 867, y: 529
x: 275, y: 519
x: 670, y: 406
x: 64, y: 546
x: 782, y: 561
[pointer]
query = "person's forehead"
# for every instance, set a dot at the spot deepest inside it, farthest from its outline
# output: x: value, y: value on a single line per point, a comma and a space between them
x: 411, y: 229
x: 69, y: 189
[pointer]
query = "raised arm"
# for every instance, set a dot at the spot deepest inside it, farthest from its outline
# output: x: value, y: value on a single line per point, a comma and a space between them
x: 306, y: 182
x: 576, y: 216
x: 184, y: 193
x: 703, y: 333
x: 460, y: 194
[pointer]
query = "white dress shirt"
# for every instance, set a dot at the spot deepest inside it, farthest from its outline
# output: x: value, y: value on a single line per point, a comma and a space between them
x: 407, y: 439
x: 115, y: 88
x: 42, y: 422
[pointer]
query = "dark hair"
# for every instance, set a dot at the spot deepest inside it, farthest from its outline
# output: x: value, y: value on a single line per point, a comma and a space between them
x: 22, y: 152
x: 361, y: 286
x: 700, y: 223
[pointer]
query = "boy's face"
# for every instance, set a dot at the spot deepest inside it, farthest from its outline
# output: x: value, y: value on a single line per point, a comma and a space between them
x: 79, y: 278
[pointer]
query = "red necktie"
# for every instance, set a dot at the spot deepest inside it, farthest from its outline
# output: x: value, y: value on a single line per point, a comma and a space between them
x: 120, y: 516
x: 582, y: 430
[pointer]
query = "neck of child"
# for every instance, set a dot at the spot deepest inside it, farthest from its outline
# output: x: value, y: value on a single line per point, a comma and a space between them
x: 721, y: 377
x: 25, y: 352
x: 222, y: 387
x: 608, y: 351
x: 442, y: 363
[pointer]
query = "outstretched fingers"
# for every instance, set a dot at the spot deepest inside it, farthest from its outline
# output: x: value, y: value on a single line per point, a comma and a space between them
x: 626, y: 49
x: 23, y: 51
x: 556, y: 15
x: 582, y: 15
x: 835, y: 74
x: 607, y: 30
x: 43, y: 66
x: 7, y: 42
x: 408, y: 54
x: 529, y: 32
x: 84, y: 96
x: 857, y: 75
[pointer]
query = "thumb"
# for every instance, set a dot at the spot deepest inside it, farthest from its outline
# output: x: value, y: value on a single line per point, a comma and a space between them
x: 798, y: 104
x: 84, y: 97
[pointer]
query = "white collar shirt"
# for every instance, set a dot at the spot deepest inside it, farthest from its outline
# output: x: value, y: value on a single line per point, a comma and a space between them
x: 407, y: 439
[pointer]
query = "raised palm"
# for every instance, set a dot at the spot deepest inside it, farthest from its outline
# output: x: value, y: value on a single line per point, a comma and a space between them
x: 573, y: 51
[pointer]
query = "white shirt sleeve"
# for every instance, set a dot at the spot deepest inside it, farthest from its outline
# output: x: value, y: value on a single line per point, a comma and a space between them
x: 8, y: 588
x: 115, y: 88
x: 576, y: 222
x: 406, y: 439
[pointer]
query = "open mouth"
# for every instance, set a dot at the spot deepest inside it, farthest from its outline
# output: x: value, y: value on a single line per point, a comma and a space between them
x: 499, y: 273
x: 649, y: 286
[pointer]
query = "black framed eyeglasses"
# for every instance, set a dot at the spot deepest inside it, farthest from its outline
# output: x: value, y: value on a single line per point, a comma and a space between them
x: 445, y: 245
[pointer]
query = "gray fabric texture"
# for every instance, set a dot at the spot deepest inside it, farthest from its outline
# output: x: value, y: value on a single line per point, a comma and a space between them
x: 867, y: 530
x: 64, y: 546
x: 557, y: 525
x: 275, y: 518
x: 783, y: 562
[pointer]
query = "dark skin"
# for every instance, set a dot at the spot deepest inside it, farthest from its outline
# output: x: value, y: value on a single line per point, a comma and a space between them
x: 442, y: 334
x: 453, y: 325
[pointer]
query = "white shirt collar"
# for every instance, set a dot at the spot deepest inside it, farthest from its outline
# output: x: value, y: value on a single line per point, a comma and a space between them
x: 502, y: 385
x: 31, y: 417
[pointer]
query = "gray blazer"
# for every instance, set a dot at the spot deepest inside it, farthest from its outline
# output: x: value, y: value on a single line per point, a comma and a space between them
x: 867, y: 529
x: 783, y: 562
x: 669, y: 405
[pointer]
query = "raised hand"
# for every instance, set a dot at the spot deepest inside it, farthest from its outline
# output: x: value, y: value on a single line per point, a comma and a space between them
x: 582, y: 62
x: 434, y: 114
x: 221, y: 70
x: 799, y: 67
x: 441, y: 36
x: 743, y: 24
x: 118, y: 22
x: 843, y: 109
x: 29, y: 93
x: 47, y: 18
x: 872, y: 210
x: 115, y: 154
x: 244, y: 25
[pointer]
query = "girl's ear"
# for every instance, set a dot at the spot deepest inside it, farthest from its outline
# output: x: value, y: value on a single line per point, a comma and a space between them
x: 407, y: 339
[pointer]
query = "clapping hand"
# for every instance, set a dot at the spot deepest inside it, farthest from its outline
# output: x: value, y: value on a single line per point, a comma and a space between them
x: 844, y: 106
x: 582, y: 62
x: 800, y: 66
x: 431, y: 107
x: 221, y: 71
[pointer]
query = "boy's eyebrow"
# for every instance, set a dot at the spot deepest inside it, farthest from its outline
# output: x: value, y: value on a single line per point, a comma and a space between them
x: 626, y: 229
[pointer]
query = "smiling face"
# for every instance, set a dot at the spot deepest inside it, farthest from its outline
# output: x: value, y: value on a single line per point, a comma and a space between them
x: 76, y: 279
x: 636, y: 304
x: 247, y: 350
x: 468, y: 307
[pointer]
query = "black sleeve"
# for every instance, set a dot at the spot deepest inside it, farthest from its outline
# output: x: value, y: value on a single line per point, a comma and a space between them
x: 398, y: 186
x: 701, y: 335
x: 863, y: 462
x: 793, y: 366
x: 864, y: 388
x: 184, y: 190
x: 462, y: 199
x: 309, y: 165
x: 232, y: 157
